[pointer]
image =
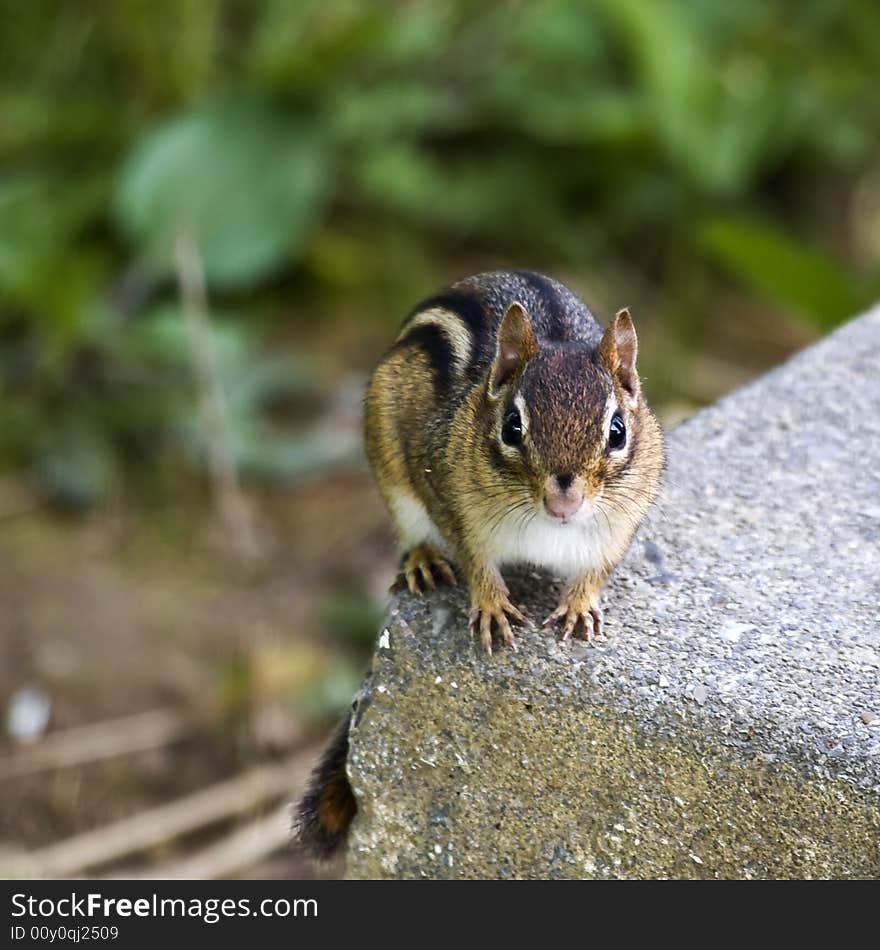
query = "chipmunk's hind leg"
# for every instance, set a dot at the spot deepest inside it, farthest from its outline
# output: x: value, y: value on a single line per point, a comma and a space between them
x: 400, y: 400
x: 424, y: 564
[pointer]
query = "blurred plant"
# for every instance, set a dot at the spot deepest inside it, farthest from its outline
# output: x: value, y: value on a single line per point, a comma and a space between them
x: 245, y: 181
x: 341, y: 157
x: 813, y: 284
x: 233, y: 509
x: 352, y: 615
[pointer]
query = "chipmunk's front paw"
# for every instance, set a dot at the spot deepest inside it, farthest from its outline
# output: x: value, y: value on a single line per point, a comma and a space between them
x: 581, y: 614
x: 423, y: 568
x: 495, y: 611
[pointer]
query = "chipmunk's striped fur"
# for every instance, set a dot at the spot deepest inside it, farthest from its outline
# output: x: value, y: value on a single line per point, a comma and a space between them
x: 457, y: 492
x: 493, y: 427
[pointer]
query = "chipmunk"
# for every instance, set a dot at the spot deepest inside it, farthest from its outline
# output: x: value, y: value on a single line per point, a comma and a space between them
x: 503, y: 426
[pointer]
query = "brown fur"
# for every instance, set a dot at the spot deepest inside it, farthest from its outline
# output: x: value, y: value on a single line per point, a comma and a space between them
x: 324, y: 814
x: 336, y: 807
x: 433, y: 415
x: 432, y: 429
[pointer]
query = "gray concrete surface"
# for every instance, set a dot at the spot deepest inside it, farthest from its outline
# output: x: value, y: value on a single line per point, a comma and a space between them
x: 728, y: 724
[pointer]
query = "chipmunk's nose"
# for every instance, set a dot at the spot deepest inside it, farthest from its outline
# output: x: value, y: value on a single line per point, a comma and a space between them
x: 563, y: 496
x: 564, y: 481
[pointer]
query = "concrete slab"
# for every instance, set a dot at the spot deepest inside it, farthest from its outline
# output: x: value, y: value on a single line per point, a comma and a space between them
x: 729, y: 723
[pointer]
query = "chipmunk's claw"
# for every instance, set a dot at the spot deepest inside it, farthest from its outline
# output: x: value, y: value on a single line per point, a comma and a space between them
x: 482, y: 619
x: 443, y: 567
x: 587, y: 619
x: 422, y: 569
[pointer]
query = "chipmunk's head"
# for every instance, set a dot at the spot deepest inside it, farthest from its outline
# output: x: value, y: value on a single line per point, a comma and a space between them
x: 570, y: 422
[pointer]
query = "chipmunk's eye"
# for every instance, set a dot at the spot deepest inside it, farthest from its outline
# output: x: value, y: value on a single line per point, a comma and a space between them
x: 512, y: 428
x: 616, y: 433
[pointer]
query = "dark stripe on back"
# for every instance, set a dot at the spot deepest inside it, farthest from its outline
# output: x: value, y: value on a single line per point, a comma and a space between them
x: 554, y: 307
x: 469, y: 308
x: 432, y: 341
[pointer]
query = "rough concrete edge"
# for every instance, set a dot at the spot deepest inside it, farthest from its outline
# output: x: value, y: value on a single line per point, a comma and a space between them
x: 815, y: 780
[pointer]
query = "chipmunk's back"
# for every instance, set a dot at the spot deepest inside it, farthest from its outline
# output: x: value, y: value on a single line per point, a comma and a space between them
x: 556, y: 313
x: 458, y: 327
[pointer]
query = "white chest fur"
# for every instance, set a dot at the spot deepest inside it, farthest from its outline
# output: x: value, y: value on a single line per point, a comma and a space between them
x: 566, y: 550
x: 413, y: 523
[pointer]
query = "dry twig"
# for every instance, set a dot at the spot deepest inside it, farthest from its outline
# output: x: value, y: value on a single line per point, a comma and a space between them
x: 156, y: 826
x: 235, y: 514
x: 103, y: 740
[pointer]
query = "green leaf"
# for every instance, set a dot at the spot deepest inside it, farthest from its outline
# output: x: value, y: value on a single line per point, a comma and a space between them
x: 718, y: 113
x: 246, y: 181
x: 787, y: 272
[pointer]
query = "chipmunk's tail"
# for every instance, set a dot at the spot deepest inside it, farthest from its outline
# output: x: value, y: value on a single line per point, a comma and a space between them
x: 323, y: 815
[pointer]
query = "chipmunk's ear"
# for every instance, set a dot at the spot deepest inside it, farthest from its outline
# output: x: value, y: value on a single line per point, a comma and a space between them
x: 618, y: 351
x: 517, y: 344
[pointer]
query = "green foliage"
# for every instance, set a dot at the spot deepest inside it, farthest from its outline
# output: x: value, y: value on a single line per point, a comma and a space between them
x: 252, y: 380
x: 775, y: 265
x: 76, y: 467
x: 244, y: 181
x: 40, y: 221
x: 345, y: 158
x: 352, y: 616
